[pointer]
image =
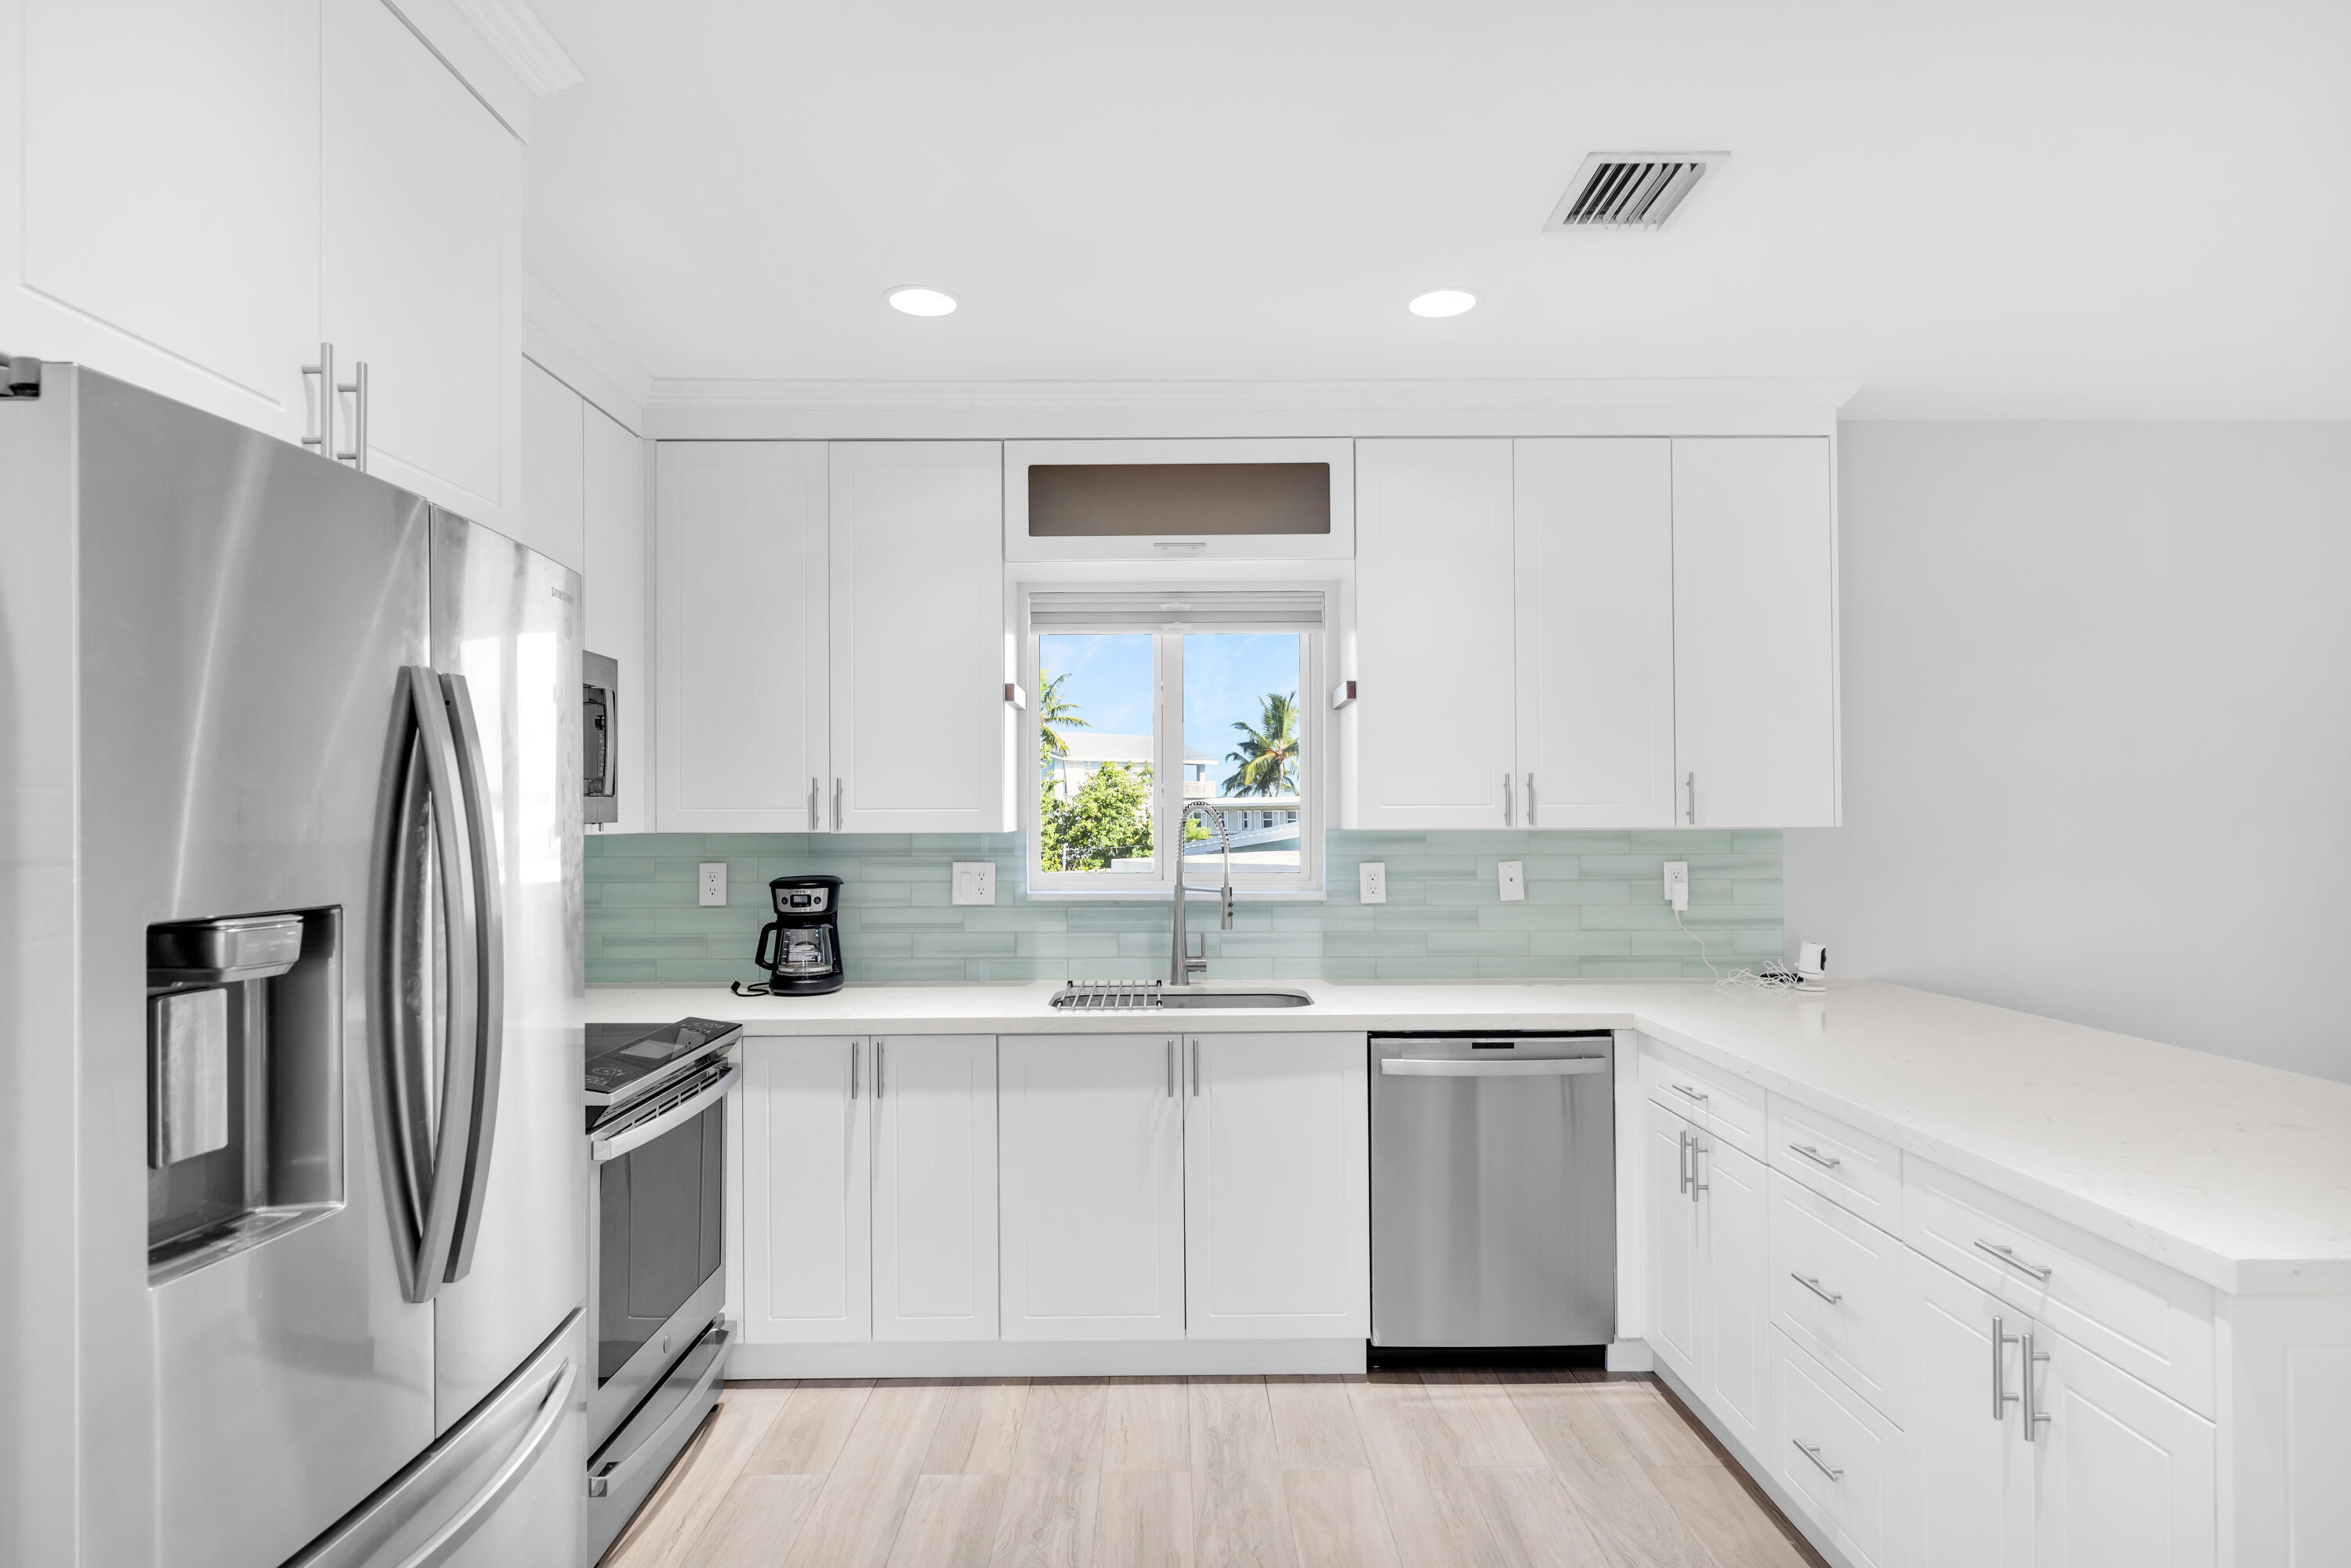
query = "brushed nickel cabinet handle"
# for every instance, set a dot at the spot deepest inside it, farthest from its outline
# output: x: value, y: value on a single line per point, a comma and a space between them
x: 2008, y: 1256
x: 2000, y: 1397
x: 2035, y: 1418
x: 1812, y: 1452
x: 1813, y: 1282
x: 1826, y: 1162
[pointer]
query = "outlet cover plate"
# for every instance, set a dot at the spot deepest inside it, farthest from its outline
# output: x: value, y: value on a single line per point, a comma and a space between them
x: 713, y: 884
x: 1677, y: 883
x: 975, y: 883
x: 1513, y: 875
x: 1372, y: 882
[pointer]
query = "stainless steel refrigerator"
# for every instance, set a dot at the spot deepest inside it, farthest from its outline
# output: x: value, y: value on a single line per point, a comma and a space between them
x: 294, y: 1260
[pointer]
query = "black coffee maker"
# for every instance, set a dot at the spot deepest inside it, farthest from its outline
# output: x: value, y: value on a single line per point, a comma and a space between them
x: 800, y: 947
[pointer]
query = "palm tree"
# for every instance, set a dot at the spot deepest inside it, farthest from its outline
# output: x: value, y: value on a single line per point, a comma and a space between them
x: 1054, y: 710
x: 1267, y: 759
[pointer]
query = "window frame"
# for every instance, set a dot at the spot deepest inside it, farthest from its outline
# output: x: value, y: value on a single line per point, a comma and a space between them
x: 1316, y: 740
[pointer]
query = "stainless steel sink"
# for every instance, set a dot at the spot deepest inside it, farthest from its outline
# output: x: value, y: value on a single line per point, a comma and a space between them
x: 1188, y: 998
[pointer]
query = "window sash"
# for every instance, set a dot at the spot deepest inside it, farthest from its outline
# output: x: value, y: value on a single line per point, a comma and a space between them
x: 1167, y: 765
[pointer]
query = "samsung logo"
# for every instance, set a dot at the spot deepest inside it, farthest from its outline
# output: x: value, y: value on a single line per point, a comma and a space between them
x: 559, y: 593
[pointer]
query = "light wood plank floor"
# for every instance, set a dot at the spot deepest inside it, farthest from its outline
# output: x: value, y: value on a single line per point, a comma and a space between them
x: 1435, y: 1470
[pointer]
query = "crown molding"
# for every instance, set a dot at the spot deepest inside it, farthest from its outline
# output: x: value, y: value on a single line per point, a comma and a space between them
x: 713, y: 409
x: 524, y: 42
x: 570, y: 347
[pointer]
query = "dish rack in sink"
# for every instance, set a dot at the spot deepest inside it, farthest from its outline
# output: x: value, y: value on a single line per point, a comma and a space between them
x: 1107, y: 994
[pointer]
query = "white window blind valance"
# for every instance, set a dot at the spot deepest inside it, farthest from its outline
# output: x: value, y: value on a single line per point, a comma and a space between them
x: 1175, y: 610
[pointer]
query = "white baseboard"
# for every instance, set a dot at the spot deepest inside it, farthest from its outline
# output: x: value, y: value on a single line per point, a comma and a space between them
x: 1029, y: 1358
x: 1630, y: 1355
x: 1760, y: 1473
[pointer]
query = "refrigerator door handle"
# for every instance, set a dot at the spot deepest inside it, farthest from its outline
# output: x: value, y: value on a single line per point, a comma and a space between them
x: 432, y: 1163
x: 489, y: 950
x: 369, y: 1533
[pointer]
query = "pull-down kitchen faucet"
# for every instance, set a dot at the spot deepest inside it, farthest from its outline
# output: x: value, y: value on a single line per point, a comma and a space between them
x: 1182, y: 966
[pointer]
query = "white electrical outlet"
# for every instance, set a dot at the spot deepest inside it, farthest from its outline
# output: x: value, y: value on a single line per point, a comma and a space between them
x: 1514, y: 881
x: 1677, y: 883
x: 714, y: 882
x: 1372, y: 882
x: 975, y: 883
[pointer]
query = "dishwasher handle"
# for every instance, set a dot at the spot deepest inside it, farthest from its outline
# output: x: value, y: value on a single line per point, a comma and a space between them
x: 1553, y: 1067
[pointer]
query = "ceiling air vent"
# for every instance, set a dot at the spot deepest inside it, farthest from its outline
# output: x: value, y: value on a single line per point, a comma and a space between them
x: 1631, y: 190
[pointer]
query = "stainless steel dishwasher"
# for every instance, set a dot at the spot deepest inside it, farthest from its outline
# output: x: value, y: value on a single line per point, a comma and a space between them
x: 1493, y: 1190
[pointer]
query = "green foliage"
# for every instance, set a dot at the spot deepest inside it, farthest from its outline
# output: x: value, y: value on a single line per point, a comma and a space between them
x: 1108, y: 819
x: 1267, y: 757
x: 1054, y: 714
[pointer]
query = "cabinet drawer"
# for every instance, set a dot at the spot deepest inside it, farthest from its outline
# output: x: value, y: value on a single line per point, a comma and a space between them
x: 1840, y: 1459
x: 2154, y: 1323
x: 1862, y: 1173
x: 1713, y: 1099
x: 1832, y: 1288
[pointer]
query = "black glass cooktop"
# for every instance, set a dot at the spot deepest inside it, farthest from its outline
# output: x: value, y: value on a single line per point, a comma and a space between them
x: 626, y: 1058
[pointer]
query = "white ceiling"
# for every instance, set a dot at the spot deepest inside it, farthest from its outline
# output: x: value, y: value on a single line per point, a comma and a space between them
x: 2063, y: 209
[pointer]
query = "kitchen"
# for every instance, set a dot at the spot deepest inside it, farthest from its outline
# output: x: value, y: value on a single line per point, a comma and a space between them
x: 1425, y: 804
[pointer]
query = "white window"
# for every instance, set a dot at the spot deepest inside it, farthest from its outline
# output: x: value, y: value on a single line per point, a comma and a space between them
x: 1152, y: 700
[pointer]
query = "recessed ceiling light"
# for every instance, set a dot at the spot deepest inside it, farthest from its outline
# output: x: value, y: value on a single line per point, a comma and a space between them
x: 922, y: 301
x: 1443, y: 302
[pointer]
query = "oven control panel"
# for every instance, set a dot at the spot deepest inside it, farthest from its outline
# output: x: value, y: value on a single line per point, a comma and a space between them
x: 624, y: 1058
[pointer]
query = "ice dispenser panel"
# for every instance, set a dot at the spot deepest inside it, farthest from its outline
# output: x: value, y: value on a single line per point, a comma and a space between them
x: 244, y: 1046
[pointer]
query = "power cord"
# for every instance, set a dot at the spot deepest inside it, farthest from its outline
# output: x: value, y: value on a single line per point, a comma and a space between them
x: 1771, y: 981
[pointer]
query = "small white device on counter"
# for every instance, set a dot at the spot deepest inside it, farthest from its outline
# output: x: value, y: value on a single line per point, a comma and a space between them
x: 1811, y: 967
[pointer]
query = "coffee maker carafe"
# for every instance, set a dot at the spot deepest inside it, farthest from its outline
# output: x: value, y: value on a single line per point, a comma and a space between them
x: 800, y: 947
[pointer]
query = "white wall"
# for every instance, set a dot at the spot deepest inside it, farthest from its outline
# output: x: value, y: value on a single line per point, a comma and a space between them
x: 2097, y: 728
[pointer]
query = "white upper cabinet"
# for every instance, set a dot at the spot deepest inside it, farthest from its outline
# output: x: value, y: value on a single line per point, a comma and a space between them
x: 1277, y: 1180
x: 921, y: 730
x: 1433, y: 663
x: 744, y: 707
x: 552, y: 518
x: 613, y: 585
x: 935, y: 1187
x: 1754, y: 633
x: 1595, y: 632
x: 423, y: 240
x: 159, y: 218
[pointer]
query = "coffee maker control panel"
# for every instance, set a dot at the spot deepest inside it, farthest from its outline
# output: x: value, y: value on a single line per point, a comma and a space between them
x: 803, y: 900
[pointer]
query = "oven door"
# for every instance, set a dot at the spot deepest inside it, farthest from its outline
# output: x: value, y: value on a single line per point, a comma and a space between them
x: 656, y: 1188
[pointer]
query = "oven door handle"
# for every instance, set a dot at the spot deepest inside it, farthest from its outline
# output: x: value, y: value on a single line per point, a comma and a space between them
x: 602, y: 1149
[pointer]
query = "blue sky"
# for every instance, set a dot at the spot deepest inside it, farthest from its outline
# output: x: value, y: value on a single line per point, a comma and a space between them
x: 1226, y: 677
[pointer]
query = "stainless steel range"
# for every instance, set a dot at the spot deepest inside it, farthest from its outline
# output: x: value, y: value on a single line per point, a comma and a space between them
x: 656, y: 1119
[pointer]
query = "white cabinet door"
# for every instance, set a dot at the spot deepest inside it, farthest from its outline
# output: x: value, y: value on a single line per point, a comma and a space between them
x: 1974, y: 1496
x: 1754, y: 631
x: 553, y: 519
x: 2126, y: 1477
x: 1092, y: 1187
x: 1595, y: 632
x: 1674, y: 1281
x: 1432, y: 641
x: 920, y: 732
x: 741, y: 721
x: 422, y: 216
x: 612, y: 586
x: 806, y: 1190
x: 1735, y: 1218
x: 1277, y: 1183
x: 159, y: 218
x: 935, y: 1187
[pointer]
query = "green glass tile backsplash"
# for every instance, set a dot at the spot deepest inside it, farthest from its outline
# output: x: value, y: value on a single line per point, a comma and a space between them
x: 1595, y: 907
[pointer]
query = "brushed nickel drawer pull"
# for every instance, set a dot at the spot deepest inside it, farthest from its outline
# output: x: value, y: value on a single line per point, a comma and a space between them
x: 1812, y: 1452
x: 1813, y: 1282
x: 1826, y: 1162
x: 2008, y: 1256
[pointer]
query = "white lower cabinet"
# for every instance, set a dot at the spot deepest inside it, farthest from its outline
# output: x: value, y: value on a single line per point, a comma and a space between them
x: 1708, y: 1250
x: 935, y: 1187
x: 2116, y: 1473
x: 1837, y: 1454
x: 1277, y: 1183
x: 1092, y: 1187
x: 806, y: 1191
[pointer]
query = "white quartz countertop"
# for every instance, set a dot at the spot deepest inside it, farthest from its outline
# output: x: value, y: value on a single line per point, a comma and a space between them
x: 2235, y: 1175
